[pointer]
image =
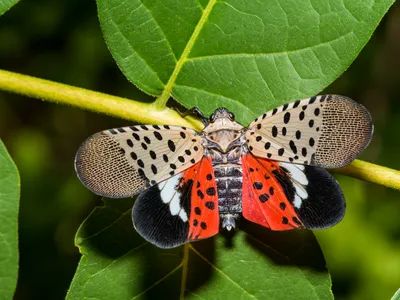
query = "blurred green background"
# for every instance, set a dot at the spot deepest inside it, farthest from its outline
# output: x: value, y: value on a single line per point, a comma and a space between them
x: 61, y: 41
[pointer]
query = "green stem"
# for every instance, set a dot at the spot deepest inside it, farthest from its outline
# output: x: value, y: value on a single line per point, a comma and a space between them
x: 114, y: 106
x: 151, y: 114
x: 373, y: 173
x: 185, y: 266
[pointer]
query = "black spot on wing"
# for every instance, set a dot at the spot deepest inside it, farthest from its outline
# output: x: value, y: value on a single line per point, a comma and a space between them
x: 293, y: 147
x: 153, y: 155
x: 258, y: 185
x: 147, y: 140
x: 263, y: 198
x: 157, y: 135
x: 295, y: 104
x: 171, y: 145
x: 210, y: 205
x: 140, y: 163
x: 133, y: 155
x: 274, y: 131
x: 286, y: 117
x: 200, y: 194
x: 136, y: 136
x: 211, y: 191
x: 154, y: 169
x: 129, y: 142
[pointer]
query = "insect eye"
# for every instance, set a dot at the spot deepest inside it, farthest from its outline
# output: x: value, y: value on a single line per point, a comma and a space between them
x: 231, y: 116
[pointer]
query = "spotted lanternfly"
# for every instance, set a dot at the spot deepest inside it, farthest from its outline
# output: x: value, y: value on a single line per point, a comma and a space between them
x: 192, y: 183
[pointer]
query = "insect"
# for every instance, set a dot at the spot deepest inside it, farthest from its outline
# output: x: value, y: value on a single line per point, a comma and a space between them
x: 191, y: 184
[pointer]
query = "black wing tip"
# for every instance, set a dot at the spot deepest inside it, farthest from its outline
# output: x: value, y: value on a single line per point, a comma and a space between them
x: 156, y: 242
x: 153, y: 221
x: 153, y: 238
x: 328, y: 222
x: 326, y: 205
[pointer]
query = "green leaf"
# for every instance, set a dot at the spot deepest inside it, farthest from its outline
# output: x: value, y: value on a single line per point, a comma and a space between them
x: 396, y: 295
x: 9, y: 203
x: 253, y: 264
x: 249, y: 56
x: 6, y: 5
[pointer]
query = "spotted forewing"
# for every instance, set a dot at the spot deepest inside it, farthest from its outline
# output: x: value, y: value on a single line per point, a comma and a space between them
x: 328, y: 131
x: 125, y: 161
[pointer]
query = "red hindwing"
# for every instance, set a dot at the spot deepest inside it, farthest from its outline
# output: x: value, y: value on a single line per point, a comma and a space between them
x: 263, y: 197
x: 204, y: 213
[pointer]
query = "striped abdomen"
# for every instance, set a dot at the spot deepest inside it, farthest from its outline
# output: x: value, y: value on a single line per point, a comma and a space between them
x: 229, y: 186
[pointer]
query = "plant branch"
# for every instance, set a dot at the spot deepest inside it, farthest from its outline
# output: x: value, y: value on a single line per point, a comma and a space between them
x: 151, y: 114
x: 185, y: 266
x: 124, y: 108
x: 373, y: 173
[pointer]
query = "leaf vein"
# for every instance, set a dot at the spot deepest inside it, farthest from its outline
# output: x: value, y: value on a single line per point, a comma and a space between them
x: 162, y: 100
x: 158, y: 281
x: 222, y: 272
x: 263, y: 79
x: 267, y: 54
x: 160, y: 28
x: 106, y: 227
x: 133, y: 49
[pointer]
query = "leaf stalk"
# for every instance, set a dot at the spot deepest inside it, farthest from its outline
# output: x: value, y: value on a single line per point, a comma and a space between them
x: 90, y: 100
x: 372, y: 173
